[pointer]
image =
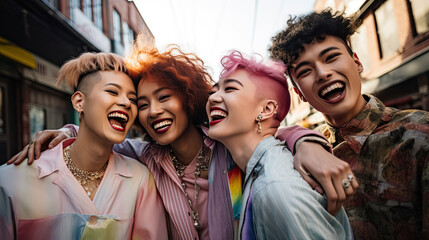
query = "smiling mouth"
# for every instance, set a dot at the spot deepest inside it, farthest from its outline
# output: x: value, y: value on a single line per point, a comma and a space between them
x: 217, y: 116
x: 118, y: 120
x: 333, y: 92
x: 162, y: 125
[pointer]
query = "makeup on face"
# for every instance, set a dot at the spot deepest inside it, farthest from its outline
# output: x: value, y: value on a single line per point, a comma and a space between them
x: 161, y: 111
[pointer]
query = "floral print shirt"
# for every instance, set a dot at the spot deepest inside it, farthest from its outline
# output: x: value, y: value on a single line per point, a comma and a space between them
x: 388, y: 151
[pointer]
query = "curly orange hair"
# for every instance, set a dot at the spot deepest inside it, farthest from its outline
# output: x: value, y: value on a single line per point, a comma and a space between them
x: 183, y: 72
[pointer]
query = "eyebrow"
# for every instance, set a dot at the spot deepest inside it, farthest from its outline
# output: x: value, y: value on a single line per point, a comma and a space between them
x: 119, y: 86
x: 154, y: 92
x: 229, y: 80
x: 320, y: 55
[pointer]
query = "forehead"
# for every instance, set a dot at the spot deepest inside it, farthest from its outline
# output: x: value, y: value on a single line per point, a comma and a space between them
x: 149, y: 85
x: 239, y: 75
x: 315, y: 48
x: 101, y: 78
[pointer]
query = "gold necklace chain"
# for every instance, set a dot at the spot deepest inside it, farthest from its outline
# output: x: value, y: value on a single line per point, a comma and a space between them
x: 89, y: 180
x: 201, y: 165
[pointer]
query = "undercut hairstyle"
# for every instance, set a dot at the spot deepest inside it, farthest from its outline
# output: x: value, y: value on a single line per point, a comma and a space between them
x: 268, y: 76
x: 184, y: 73
x: 75, y: 70
x: 288, y: 44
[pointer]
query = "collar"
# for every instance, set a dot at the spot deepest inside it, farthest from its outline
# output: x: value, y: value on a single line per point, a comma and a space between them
x: 357, y: 130
x: 257, y: 155
x: 53, y: 160
x: 161, y: 153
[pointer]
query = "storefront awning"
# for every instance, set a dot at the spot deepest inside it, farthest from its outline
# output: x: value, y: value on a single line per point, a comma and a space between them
x: 16, y: 53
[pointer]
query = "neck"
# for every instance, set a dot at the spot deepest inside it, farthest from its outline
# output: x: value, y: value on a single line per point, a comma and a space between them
x: 187, y: 146
x: 242, y: 146
x: 339, y: 120
x: 90, y: 153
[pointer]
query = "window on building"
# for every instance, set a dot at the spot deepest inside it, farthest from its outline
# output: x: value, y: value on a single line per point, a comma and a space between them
x: 359, y: 43
x: 128, y: 36
x: 87, y: 8
x: 118, y: 48
x: 387, y: 29
x: 420, y: 10
x: 73, y: 4
x: 55, y: 3
x: 98, y: 15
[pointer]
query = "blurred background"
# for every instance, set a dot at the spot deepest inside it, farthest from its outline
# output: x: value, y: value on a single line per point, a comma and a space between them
x: 38, y: 36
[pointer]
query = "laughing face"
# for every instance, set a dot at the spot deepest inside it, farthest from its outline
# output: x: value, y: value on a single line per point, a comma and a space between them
x: 161, y: 112
x: 329, y: 79
x: 233, y: 106
x: 110, y: 106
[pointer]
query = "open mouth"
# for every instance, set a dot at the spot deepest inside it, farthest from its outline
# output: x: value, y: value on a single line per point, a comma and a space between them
x: 217, y: 115
x: 162, y: 125
x: 118, y: 120
x: 332, y: 93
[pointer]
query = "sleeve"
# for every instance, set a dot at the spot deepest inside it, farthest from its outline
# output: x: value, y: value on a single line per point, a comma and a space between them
x: 291, y: 211
x: 6, y: 213
x: 130, y: 147
x: 292, y: 134
x: 149, y: 217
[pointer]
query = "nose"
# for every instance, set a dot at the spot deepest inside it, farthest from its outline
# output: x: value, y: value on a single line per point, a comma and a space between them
x: 215, y: 98
x: 124, y: 101
x: 155, y: 109
x: 323, y: 72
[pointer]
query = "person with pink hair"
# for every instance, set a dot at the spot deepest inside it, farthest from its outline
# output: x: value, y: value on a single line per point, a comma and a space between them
x: 245, y: 109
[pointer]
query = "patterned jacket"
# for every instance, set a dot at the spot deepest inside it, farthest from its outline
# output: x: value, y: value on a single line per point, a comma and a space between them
x: 388, y: 151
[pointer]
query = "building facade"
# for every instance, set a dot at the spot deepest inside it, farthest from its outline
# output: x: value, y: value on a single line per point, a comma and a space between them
x: 392, y: 42
x: 36, y: 38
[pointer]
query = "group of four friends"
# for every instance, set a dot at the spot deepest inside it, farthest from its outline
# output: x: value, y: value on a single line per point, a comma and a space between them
x: 216, y: 165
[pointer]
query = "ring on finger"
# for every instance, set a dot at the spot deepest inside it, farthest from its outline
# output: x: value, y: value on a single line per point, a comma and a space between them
x: 304, y: 171
x: 350, y: 177
x: 345, y: 183
x: 31, y: 142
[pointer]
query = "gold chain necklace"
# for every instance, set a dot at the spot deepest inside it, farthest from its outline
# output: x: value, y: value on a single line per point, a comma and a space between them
x: 90, y: 180
x: 201, y: 165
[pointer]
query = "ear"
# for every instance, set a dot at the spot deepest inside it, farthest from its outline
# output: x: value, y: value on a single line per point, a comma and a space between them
x: 358, y: 63
x: 78, y: 99
x: 296, y: 90
x: 269, y: 110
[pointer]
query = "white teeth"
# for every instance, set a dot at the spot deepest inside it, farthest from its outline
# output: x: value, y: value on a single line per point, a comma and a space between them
x: 330, y: 88
x: 218, y: 113
x: 119, y: 115
x: 162, y: 124
x: 117, y: 126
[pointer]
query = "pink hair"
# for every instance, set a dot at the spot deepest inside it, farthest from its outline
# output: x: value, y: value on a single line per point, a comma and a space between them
x: 269, y: 76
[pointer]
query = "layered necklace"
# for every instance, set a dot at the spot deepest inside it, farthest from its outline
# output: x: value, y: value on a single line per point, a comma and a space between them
x: 90, y: 180
x: 203, y: 161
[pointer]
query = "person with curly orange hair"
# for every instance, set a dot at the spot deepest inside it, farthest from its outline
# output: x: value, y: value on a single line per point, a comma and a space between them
x: 198, y: 182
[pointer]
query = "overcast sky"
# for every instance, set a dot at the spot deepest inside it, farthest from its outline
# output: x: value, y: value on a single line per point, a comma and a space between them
x: 210, y: 28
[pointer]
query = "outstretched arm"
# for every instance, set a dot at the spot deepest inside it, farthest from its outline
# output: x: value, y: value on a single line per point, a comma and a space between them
x: 48, y: 139
x: 320, y: 169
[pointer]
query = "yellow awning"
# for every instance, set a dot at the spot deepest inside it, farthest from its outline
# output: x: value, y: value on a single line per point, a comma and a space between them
x: 16, y: 53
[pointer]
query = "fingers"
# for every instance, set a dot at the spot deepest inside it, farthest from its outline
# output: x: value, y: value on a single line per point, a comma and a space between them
x: 332, y: 197
x: 55, y: 141
x: 13, y: 159
x: 341, y: 197
x: 313, y: 184
x: 30, y: 154
x: 18, y: 158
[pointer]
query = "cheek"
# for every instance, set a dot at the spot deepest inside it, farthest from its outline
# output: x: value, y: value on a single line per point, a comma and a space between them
x: 142, y: 116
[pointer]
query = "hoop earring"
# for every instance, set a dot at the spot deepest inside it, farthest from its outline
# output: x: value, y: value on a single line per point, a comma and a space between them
x: 258, y: 119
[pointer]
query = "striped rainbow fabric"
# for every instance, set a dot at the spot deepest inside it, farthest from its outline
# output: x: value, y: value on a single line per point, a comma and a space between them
x: 235, y: 186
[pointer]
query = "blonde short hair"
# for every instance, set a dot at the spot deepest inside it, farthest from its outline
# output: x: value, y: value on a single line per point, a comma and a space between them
x: 73, y: 71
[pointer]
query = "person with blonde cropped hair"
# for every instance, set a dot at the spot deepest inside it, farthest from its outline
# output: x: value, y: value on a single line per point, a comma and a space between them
x: 81, y: 189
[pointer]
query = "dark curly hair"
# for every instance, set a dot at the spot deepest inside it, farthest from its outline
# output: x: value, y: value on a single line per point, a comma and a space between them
x: 182, y: 72
x: 288, y: 44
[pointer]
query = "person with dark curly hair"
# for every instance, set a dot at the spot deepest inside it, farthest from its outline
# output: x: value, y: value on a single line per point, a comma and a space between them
x: 386, y: 148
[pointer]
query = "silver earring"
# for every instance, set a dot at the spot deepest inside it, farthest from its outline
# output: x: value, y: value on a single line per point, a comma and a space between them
x: 275, y: 105
x: 258, y: 119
